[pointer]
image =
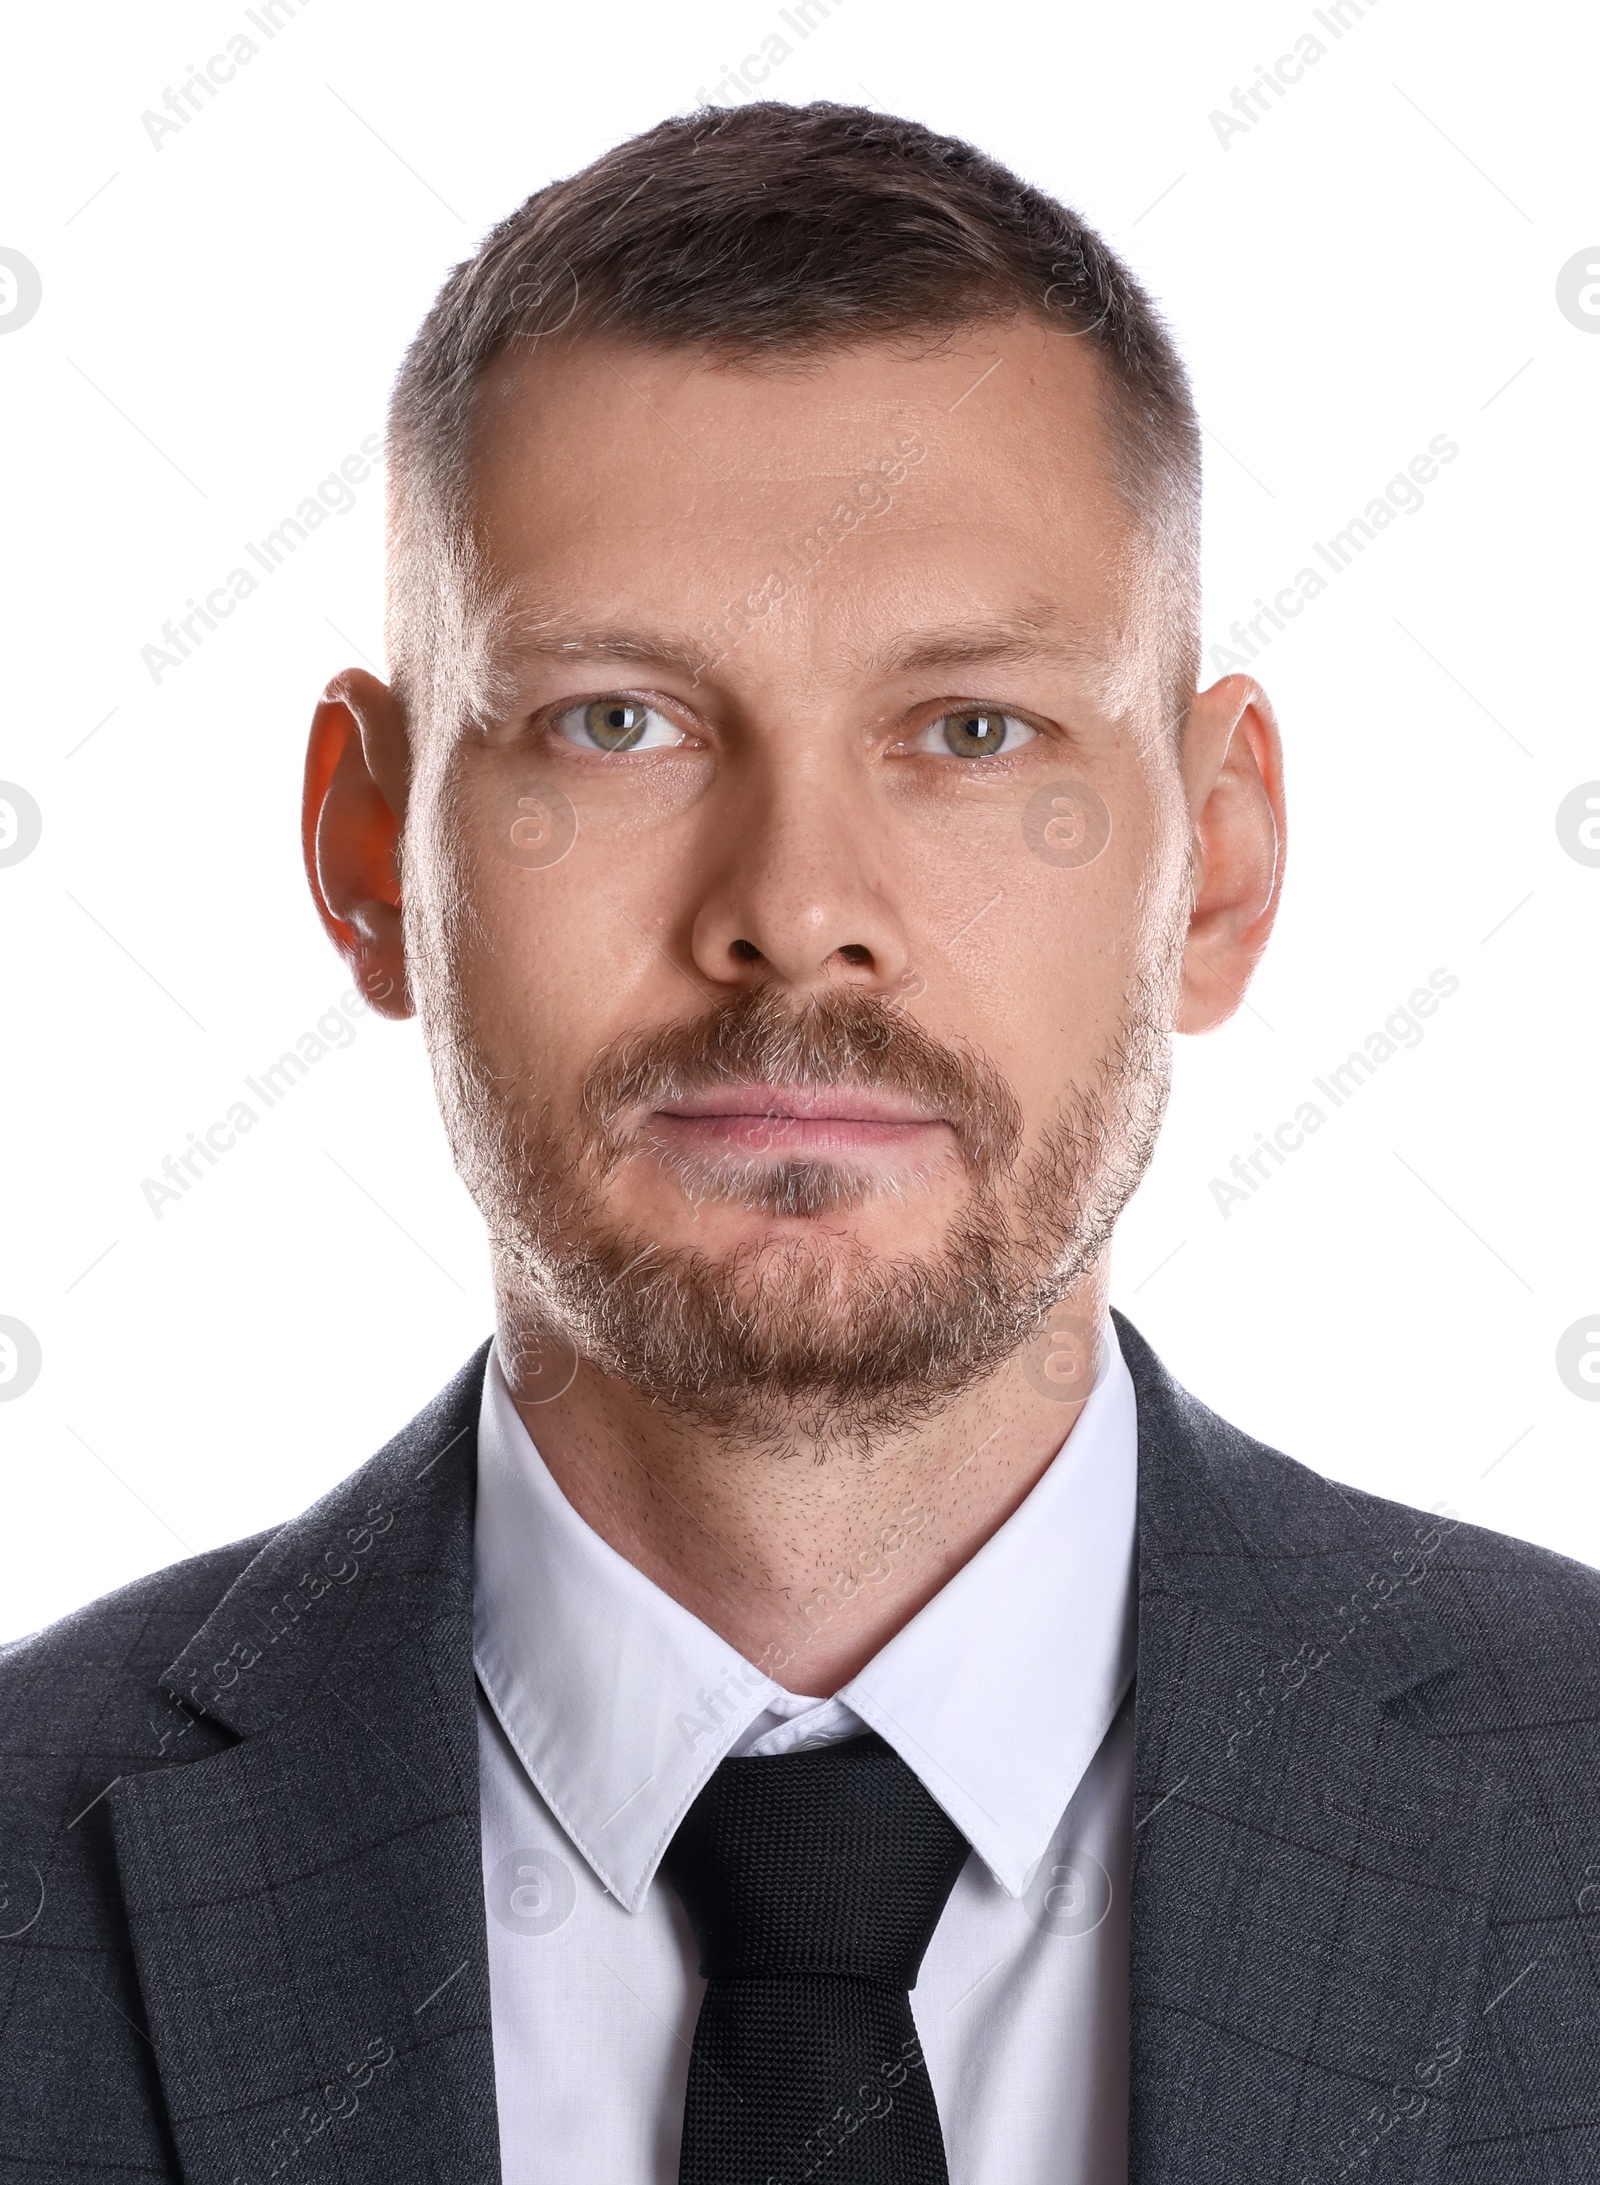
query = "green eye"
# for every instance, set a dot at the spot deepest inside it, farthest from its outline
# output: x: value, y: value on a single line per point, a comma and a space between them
x: 974, y: 735
x: 615, y: 724
x: 618, y: 723
x: 979, y: 734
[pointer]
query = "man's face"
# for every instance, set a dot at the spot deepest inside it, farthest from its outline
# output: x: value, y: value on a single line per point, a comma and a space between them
x: 797, y: 936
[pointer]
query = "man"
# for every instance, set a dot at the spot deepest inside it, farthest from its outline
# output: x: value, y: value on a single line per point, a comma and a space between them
x: 812, y: 1699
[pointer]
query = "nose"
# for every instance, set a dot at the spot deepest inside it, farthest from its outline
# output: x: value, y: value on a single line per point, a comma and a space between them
x: 799, y: 893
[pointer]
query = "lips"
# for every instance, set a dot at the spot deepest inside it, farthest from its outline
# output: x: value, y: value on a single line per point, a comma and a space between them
x: 798, y: 1119
x: 800, y: 1103
x: 762, y: 1081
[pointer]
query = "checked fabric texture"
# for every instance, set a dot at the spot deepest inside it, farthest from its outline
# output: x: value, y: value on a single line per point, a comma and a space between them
x: 813, y: 1883
x: 1365, y: 1914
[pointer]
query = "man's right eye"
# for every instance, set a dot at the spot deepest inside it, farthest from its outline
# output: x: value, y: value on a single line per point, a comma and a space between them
x: 617, y: 724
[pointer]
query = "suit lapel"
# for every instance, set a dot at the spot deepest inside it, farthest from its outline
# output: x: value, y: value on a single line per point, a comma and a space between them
x: 1310, y: 1869
x: 306, y: 1908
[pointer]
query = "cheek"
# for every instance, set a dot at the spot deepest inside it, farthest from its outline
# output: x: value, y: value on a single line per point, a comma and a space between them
x: 1050, y: 981
x: 1042, y: 981
x: 544, y: 977
x: 557, y: 960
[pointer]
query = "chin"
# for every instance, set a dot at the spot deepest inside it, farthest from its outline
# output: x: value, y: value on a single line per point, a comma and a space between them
x: 776, y: 1203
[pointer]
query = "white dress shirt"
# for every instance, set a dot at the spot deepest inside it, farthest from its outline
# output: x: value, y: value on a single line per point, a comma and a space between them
x: 604, y: 1706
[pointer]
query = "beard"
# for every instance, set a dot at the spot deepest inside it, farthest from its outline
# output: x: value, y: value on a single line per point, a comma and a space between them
x: 809, y: 1339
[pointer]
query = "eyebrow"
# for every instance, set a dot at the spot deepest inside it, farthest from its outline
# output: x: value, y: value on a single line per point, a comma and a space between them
x: 646, y: 648
x: 987, y: 642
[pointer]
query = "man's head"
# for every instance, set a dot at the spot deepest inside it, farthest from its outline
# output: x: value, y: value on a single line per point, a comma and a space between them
x: 808, y: 830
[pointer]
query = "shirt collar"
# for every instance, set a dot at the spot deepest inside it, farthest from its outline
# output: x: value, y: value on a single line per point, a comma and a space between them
x: 620, y: 1703
x: 999, y: 1692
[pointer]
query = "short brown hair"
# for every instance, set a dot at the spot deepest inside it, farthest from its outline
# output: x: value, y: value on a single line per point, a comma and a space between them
x: 770, y: 231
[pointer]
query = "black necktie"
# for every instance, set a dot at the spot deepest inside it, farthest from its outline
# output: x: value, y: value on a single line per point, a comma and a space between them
x: 813, y: 1883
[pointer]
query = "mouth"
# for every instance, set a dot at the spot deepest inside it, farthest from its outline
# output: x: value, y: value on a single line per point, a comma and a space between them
x: 793, y: 1121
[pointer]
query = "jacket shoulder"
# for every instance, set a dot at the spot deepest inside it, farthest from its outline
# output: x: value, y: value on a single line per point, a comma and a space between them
x: 1214, y: 1476
x: 126, y: 1630
x: 1234, y: 1526
x: 1525, y: 1617
x: 98, y: 1698
x: 90, y: 1682
x: 1478, y: 1550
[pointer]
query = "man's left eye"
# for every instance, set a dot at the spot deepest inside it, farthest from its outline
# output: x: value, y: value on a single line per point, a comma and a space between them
x: 975, y: 732
x: 617, y: 724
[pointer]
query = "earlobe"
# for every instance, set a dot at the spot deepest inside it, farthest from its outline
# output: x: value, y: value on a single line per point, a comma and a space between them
x: 350, y: 832
x: 1233, y: 775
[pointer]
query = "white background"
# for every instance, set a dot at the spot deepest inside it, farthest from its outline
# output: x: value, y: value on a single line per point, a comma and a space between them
x: 1371, y: 264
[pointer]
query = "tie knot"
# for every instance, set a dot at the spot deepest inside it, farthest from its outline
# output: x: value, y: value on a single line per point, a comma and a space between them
x: 829, y: 1861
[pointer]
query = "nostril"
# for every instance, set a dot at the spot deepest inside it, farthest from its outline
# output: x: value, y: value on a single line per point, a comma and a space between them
x: 746, y: 951
x: 854, y: 953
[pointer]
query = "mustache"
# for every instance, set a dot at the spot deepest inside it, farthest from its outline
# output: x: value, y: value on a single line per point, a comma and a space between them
x: 833, y: 1038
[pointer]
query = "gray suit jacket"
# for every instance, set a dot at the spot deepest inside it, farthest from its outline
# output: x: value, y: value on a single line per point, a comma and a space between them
x: 241, y: 1893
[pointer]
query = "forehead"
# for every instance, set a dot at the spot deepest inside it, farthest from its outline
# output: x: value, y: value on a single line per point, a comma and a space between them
x: 887, y: 487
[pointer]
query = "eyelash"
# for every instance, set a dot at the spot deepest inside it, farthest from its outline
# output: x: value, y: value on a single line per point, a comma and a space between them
x: 611, y: 701
x: 975, y: 712
x: 617, y: 701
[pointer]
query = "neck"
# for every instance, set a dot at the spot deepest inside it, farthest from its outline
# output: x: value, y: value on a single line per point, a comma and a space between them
x: 806, y: 1561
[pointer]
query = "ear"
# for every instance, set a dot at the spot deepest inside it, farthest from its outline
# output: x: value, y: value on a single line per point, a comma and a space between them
x: 357, y: 770
x: 1233, y: 777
